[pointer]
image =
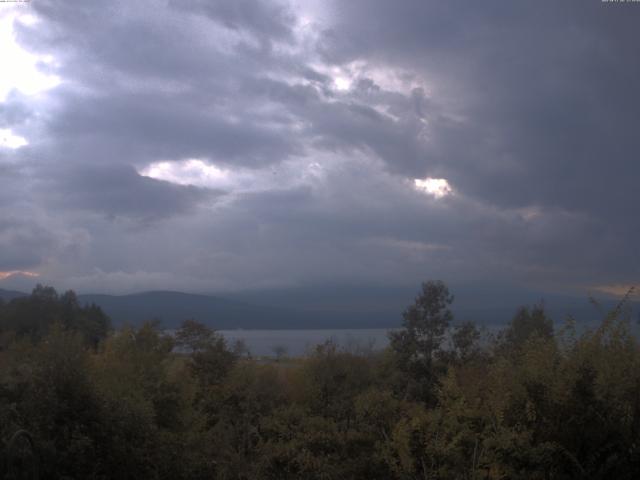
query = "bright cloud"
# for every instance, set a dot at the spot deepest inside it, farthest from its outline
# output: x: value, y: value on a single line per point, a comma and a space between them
x: 342, y: 83
x: 19, y: 67
x: 9, y: 140
x: 188, y: 172
x: 437, y: 187
x: 293, y: 173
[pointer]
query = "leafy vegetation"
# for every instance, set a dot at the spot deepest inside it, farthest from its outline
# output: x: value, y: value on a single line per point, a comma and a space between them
x: 443, y: 401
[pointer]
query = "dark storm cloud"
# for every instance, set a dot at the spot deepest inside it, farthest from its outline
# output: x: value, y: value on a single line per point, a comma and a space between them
x: 120, y: 191
x: 548, y: 105
x: 336, y: 122
x: 530, y: 110
x: 548, y: 91
x: 172, y: 126
x: 163, y: 86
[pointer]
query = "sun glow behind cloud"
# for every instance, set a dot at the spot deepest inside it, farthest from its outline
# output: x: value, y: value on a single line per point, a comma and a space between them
x: 20, y: 68
x: 436, y: 187
x: 342, y: 83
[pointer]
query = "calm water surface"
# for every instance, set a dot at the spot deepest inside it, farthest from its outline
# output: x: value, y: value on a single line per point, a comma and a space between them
x: 298, y: 342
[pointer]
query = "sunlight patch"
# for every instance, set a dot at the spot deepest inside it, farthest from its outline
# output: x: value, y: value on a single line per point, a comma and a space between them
x: 11, y: 273
x: 395, y: 80
x: 187, y: 172
x: 9, y: 140
x: 436, y: 187
x: 342, y: 83
x: 342, y: 77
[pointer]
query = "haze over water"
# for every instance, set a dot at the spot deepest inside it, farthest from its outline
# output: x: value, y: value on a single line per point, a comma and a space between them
x: 298, y: 342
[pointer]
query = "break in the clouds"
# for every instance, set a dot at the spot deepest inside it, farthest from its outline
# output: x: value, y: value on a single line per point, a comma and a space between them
x: 244, y: 144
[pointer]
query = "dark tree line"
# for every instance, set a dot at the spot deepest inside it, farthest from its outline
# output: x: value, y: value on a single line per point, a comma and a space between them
x: 33, y: 316
x: 443, y: 401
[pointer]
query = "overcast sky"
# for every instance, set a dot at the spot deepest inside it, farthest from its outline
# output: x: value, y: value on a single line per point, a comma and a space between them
x: 213, y: 146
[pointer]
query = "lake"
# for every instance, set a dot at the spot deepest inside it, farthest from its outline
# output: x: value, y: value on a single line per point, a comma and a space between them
x: 298, y: 342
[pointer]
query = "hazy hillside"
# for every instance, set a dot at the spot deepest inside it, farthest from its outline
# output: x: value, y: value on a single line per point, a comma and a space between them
x: 317, y: 308
x: 173, y: 307
x: 7, y: 295
x: 382, y: 307
x: 297, y: 311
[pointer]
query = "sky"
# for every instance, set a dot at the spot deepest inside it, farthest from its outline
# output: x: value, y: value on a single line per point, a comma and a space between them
x: 245, y: 145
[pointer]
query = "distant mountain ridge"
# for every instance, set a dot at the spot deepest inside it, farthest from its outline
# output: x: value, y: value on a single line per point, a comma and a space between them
x: 322, y: 310
x: 171, y: 308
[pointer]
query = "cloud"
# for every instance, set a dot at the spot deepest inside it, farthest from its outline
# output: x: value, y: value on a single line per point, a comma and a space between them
x: 11, y: 273
x: 266, y: 20
x: 23, y: 244
x: 617, y: 290
x: 8, y: 139
x: 120, y: 191
x: 538, y: 120
x: 233, y: 145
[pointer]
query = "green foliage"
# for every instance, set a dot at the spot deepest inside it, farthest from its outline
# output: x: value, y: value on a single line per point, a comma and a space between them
x: 437, y: 404
x: 331, y: 379
x: 210, y: 359
x: 418, y: 345
x: 526, y: 323
x: 465, y: 339
x: 35, y: 315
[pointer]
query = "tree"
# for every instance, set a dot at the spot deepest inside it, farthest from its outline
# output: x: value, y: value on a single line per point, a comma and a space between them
x: 280, y: 351
x: 210, y: 358
x: 417, y: 345
x: 193, y: 336
x: 528, y: 322
x: 34, y: 315
x: 465, y: 340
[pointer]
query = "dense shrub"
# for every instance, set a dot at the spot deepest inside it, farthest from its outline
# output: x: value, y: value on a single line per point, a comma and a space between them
x: 441, y: 402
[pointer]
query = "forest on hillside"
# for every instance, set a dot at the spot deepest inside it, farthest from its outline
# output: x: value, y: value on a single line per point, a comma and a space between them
x: 443, y: 401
